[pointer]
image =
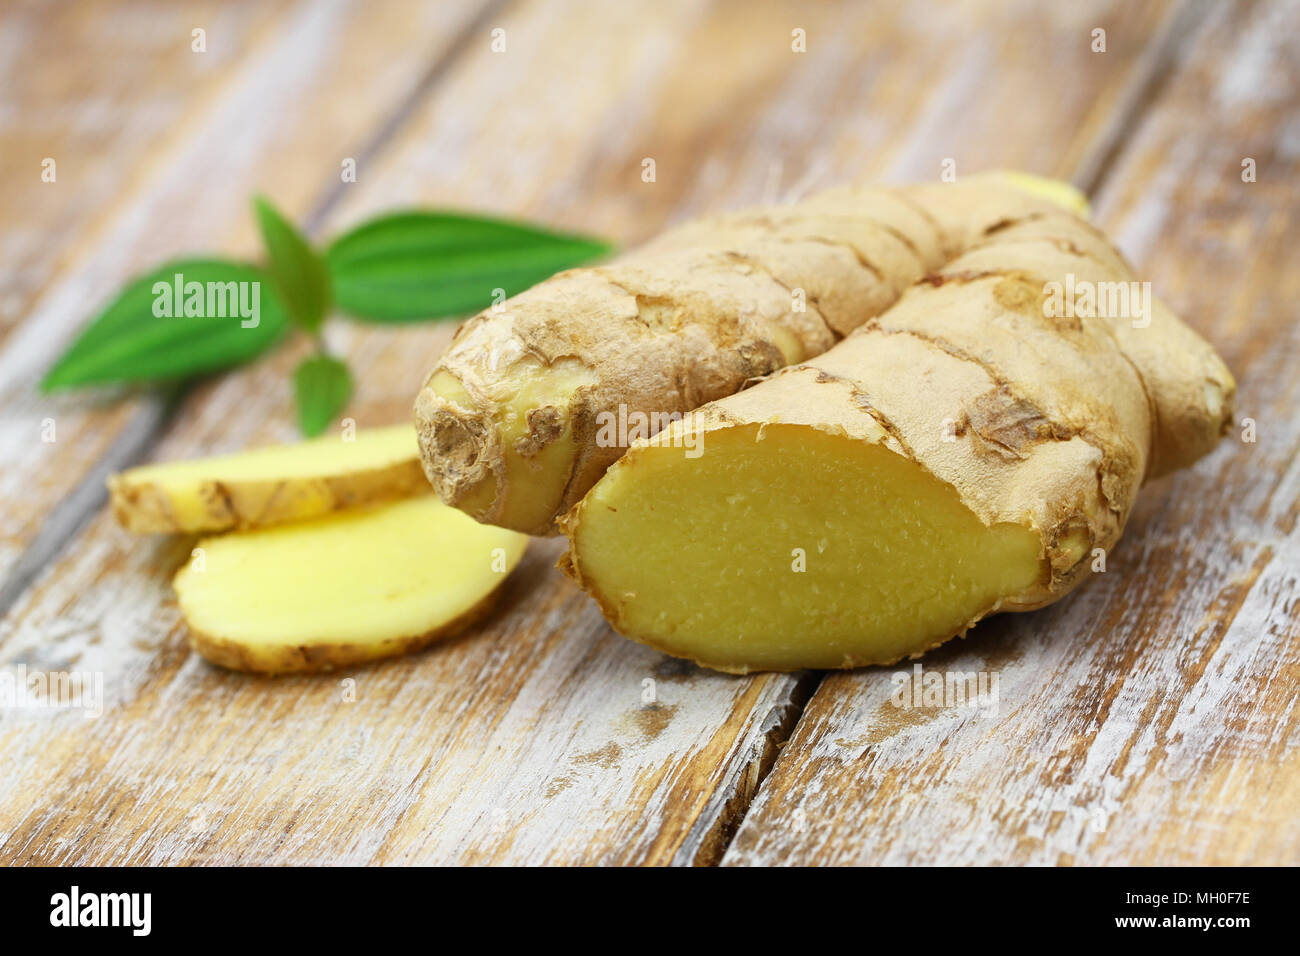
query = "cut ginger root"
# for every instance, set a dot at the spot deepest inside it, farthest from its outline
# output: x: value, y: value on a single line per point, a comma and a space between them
x: 790, y: 548
x: 343, y: 589
x: 270, y: 485
x: 972, y: 448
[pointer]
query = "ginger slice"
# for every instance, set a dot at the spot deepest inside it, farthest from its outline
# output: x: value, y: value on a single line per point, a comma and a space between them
x: 270, y: 485
x: 343, y: 589
x: 785, y: 547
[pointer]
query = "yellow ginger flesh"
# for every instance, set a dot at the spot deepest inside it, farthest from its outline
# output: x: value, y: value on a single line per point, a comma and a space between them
x: 342, y: 589
x: 785, y: 547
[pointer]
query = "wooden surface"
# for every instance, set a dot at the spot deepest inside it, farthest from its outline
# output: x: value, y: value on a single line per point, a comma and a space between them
x: 1150, y: 718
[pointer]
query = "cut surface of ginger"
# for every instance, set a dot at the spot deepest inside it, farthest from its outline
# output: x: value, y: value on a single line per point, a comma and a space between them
x: 800, y: 550
x: 342, y: 589
x: 270, y: 485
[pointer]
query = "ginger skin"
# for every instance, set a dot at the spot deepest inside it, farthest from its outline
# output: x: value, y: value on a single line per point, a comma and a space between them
x: 510, y: 418
x: 972, y: 449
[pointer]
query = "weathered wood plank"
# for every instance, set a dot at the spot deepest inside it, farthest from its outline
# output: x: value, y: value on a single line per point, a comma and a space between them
x: 1152, y: 718
x: 102, y: 89
x: 529, y: 741
x: 283, y: 116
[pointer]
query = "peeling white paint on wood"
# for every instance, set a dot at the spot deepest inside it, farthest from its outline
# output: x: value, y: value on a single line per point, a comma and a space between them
x: 534, y: 738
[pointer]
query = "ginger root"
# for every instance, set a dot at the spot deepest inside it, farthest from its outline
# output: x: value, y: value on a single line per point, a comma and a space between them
x: 973, y: 448
x: 271, y: 485
x: 343, y: 589
x: 513, y: 419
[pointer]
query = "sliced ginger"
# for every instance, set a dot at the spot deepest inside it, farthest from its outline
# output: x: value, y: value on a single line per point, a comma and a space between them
x: 342, y: 589
x: 326, y: 569
x: 271, y: 485
x: 799, y: 548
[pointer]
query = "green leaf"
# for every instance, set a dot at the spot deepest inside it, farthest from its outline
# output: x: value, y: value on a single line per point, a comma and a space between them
x: 421, y: 265
x: 299, y: 270
x: 323, y: 385
x: 140, y: 337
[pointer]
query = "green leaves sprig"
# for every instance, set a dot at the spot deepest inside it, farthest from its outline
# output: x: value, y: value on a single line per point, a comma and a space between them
x: 414, y: 265
x: 299, y: 271
x: 191, y: 317
x: 154, y: 332
x: 323, y: 385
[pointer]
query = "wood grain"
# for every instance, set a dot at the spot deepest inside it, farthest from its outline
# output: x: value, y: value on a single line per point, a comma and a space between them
x: 529, y: 741
x: 103, y: 89
x: 724, y: 725
x: 1150, y: 719
x: 278, y: 113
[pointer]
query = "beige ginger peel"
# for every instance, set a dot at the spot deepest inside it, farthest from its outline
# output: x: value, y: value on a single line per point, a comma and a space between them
x: 965, y: 452
x: 510, y: 418
x: 939, y: 441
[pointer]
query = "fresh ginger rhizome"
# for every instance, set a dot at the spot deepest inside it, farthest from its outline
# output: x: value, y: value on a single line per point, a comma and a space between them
x: 945, y: 422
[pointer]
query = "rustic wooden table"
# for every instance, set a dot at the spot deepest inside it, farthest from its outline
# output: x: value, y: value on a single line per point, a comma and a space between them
x: 1151, y: 718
